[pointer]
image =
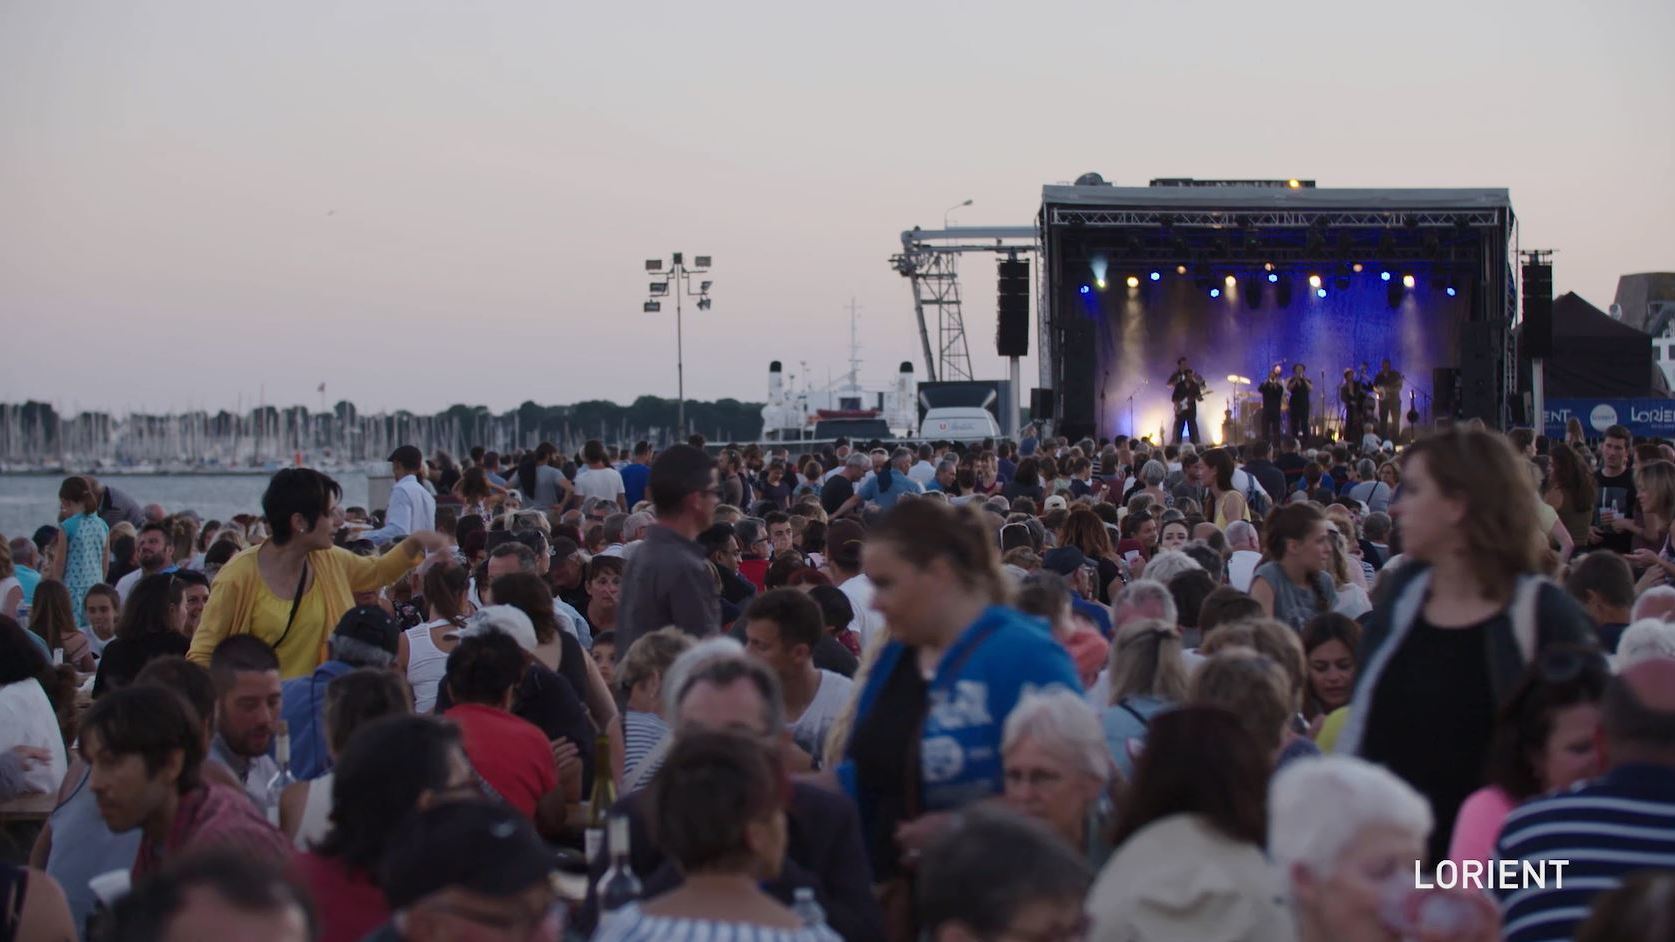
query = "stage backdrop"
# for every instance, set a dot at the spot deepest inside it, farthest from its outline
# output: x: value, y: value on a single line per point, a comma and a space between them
x: 1141, y: 331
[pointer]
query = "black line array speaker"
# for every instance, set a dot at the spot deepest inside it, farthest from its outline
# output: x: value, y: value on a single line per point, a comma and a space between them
x: 1040, y: 404
x: 1445, y: 392
x: 1536, y: 340
x: 1482, y: 355
x: 1012, y: 308
x: 1076, y: 392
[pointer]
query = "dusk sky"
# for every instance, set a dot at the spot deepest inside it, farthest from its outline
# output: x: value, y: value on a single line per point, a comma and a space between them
x: 422, y: 203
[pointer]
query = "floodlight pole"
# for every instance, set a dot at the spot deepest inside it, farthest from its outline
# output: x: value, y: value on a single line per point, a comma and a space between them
x: 679, y: 281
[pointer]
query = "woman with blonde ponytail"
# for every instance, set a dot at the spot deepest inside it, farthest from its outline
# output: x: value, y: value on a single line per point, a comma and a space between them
x: 926, y: 735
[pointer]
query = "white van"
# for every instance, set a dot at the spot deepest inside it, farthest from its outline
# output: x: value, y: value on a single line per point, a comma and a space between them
x: 961, y: 424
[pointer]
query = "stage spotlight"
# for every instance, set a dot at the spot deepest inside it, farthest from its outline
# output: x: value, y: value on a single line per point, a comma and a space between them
x: 1267, y: 266
x: 1215, y: 292
x: 1230, y: 281
x: 1451, y: 292
x: 1294, y: 184
x: 1314, y: 282
x: 1180, y: 269
x: 1133, y: 281
x: 1356, y: 268
x: 1273, y: 278
x: 1157, y: 276
x: 1099, y: 283
x: 1384, y: 275
x: 1085, y: 289
x: 1320, y: 292
x: 1407, y: 281
x: 1393, y: 295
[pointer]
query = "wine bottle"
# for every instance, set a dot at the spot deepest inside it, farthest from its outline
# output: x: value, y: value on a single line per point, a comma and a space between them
x: 283, y: 777
x: 604, y: 796
x: 619, y: 886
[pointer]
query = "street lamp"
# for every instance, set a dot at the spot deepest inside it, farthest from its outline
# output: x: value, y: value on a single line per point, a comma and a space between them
x: 675, y: 278
x: 951, y: 209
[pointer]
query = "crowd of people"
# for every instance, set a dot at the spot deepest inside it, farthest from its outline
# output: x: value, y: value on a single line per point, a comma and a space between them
x: 1032, y: 690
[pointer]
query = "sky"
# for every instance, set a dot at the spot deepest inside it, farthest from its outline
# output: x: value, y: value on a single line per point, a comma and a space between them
x: 203, y: 204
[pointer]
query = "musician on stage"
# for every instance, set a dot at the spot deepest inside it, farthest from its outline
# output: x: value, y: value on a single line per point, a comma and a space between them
x: 1273, y: 398
x: 1389, y: 382
x: 1349, y: 396
x: 1187, y: 388
x: 1300, y: 388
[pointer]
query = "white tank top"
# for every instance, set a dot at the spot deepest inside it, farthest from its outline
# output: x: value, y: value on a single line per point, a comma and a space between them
x: 426, y: 664
x: 316, y: 814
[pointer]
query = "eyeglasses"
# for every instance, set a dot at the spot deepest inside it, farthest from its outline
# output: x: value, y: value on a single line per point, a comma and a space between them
x: 1034, y: 778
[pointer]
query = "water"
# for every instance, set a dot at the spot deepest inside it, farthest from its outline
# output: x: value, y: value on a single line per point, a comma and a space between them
x: 29, y: 500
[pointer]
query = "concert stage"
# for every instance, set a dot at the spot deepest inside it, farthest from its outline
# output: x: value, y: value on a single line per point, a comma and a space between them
x: 1241, y: 277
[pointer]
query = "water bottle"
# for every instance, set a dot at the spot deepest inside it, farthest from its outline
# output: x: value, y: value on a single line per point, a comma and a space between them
x: 808, y: 908
x: 281, y: 779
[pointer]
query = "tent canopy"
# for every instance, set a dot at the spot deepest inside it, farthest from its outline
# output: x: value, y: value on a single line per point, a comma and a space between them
x: 1596, y: 356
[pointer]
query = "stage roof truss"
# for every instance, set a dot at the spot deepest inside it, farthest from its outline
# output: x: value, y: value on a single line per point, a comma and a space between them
x: 1288, y: 219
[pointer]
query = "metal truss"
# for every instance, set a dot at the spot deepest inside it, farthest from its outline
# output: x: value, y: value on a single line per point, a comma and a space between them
x: 932, y: 272
x: 1222, y: 219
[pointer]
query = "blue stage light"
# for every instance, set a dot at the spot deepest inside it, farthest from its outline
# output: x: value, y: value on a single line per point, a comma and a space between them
x: 1384, y: 276
x: 1157, y: 276
x: 1273, y: 279
x: 1451, y: 291
x: 1320, y: 292
x: 1086, y: 289
x: 1215, y: 292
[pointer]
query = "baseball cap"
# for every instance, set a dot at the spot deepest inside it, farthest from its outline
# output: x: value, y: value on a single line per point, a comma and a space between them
x: 1063, y: 560
x: 1055, y: 502
x: 843, y: 543
x: 372, y: 625
x: 408, y: 456
x: 474, y: 845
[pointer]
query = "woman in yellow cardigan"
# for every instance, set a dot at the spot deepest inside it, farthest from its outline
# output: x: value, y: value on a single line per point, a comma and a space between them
x: 291, y: 590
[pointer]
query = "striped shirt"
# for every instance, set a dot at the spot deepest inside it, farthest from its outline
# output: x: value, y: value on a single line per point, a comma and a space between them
x: 641, y: 732
x: 1607, y: 828
x: 629, y: 924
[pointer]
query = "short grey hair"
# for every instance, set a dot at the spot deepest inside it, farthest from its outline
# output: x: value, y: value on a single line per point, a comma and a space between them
x: 1168, y: 564
x: 1366, y: 470
x: 634, y: 528
x: 722, y: 661
x: 901, y: 453
x: 1644, y: 640
x: 1241, y: 533
x: 1362, y: 794
x: 1062, y: 723
x: 1152, y: 473
x: 358, y: 653
x: 947, y: 464
x: 1148, y: 591
x: 1657, y: 602
x: 857, y: 459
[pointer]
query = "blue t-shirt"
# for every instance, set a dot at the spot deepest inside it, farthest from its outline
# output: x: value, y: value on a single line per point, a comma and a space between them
x: 634, y: 479
x: 976, y: 685
x: 899, y: 484
x: 304, y: 709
